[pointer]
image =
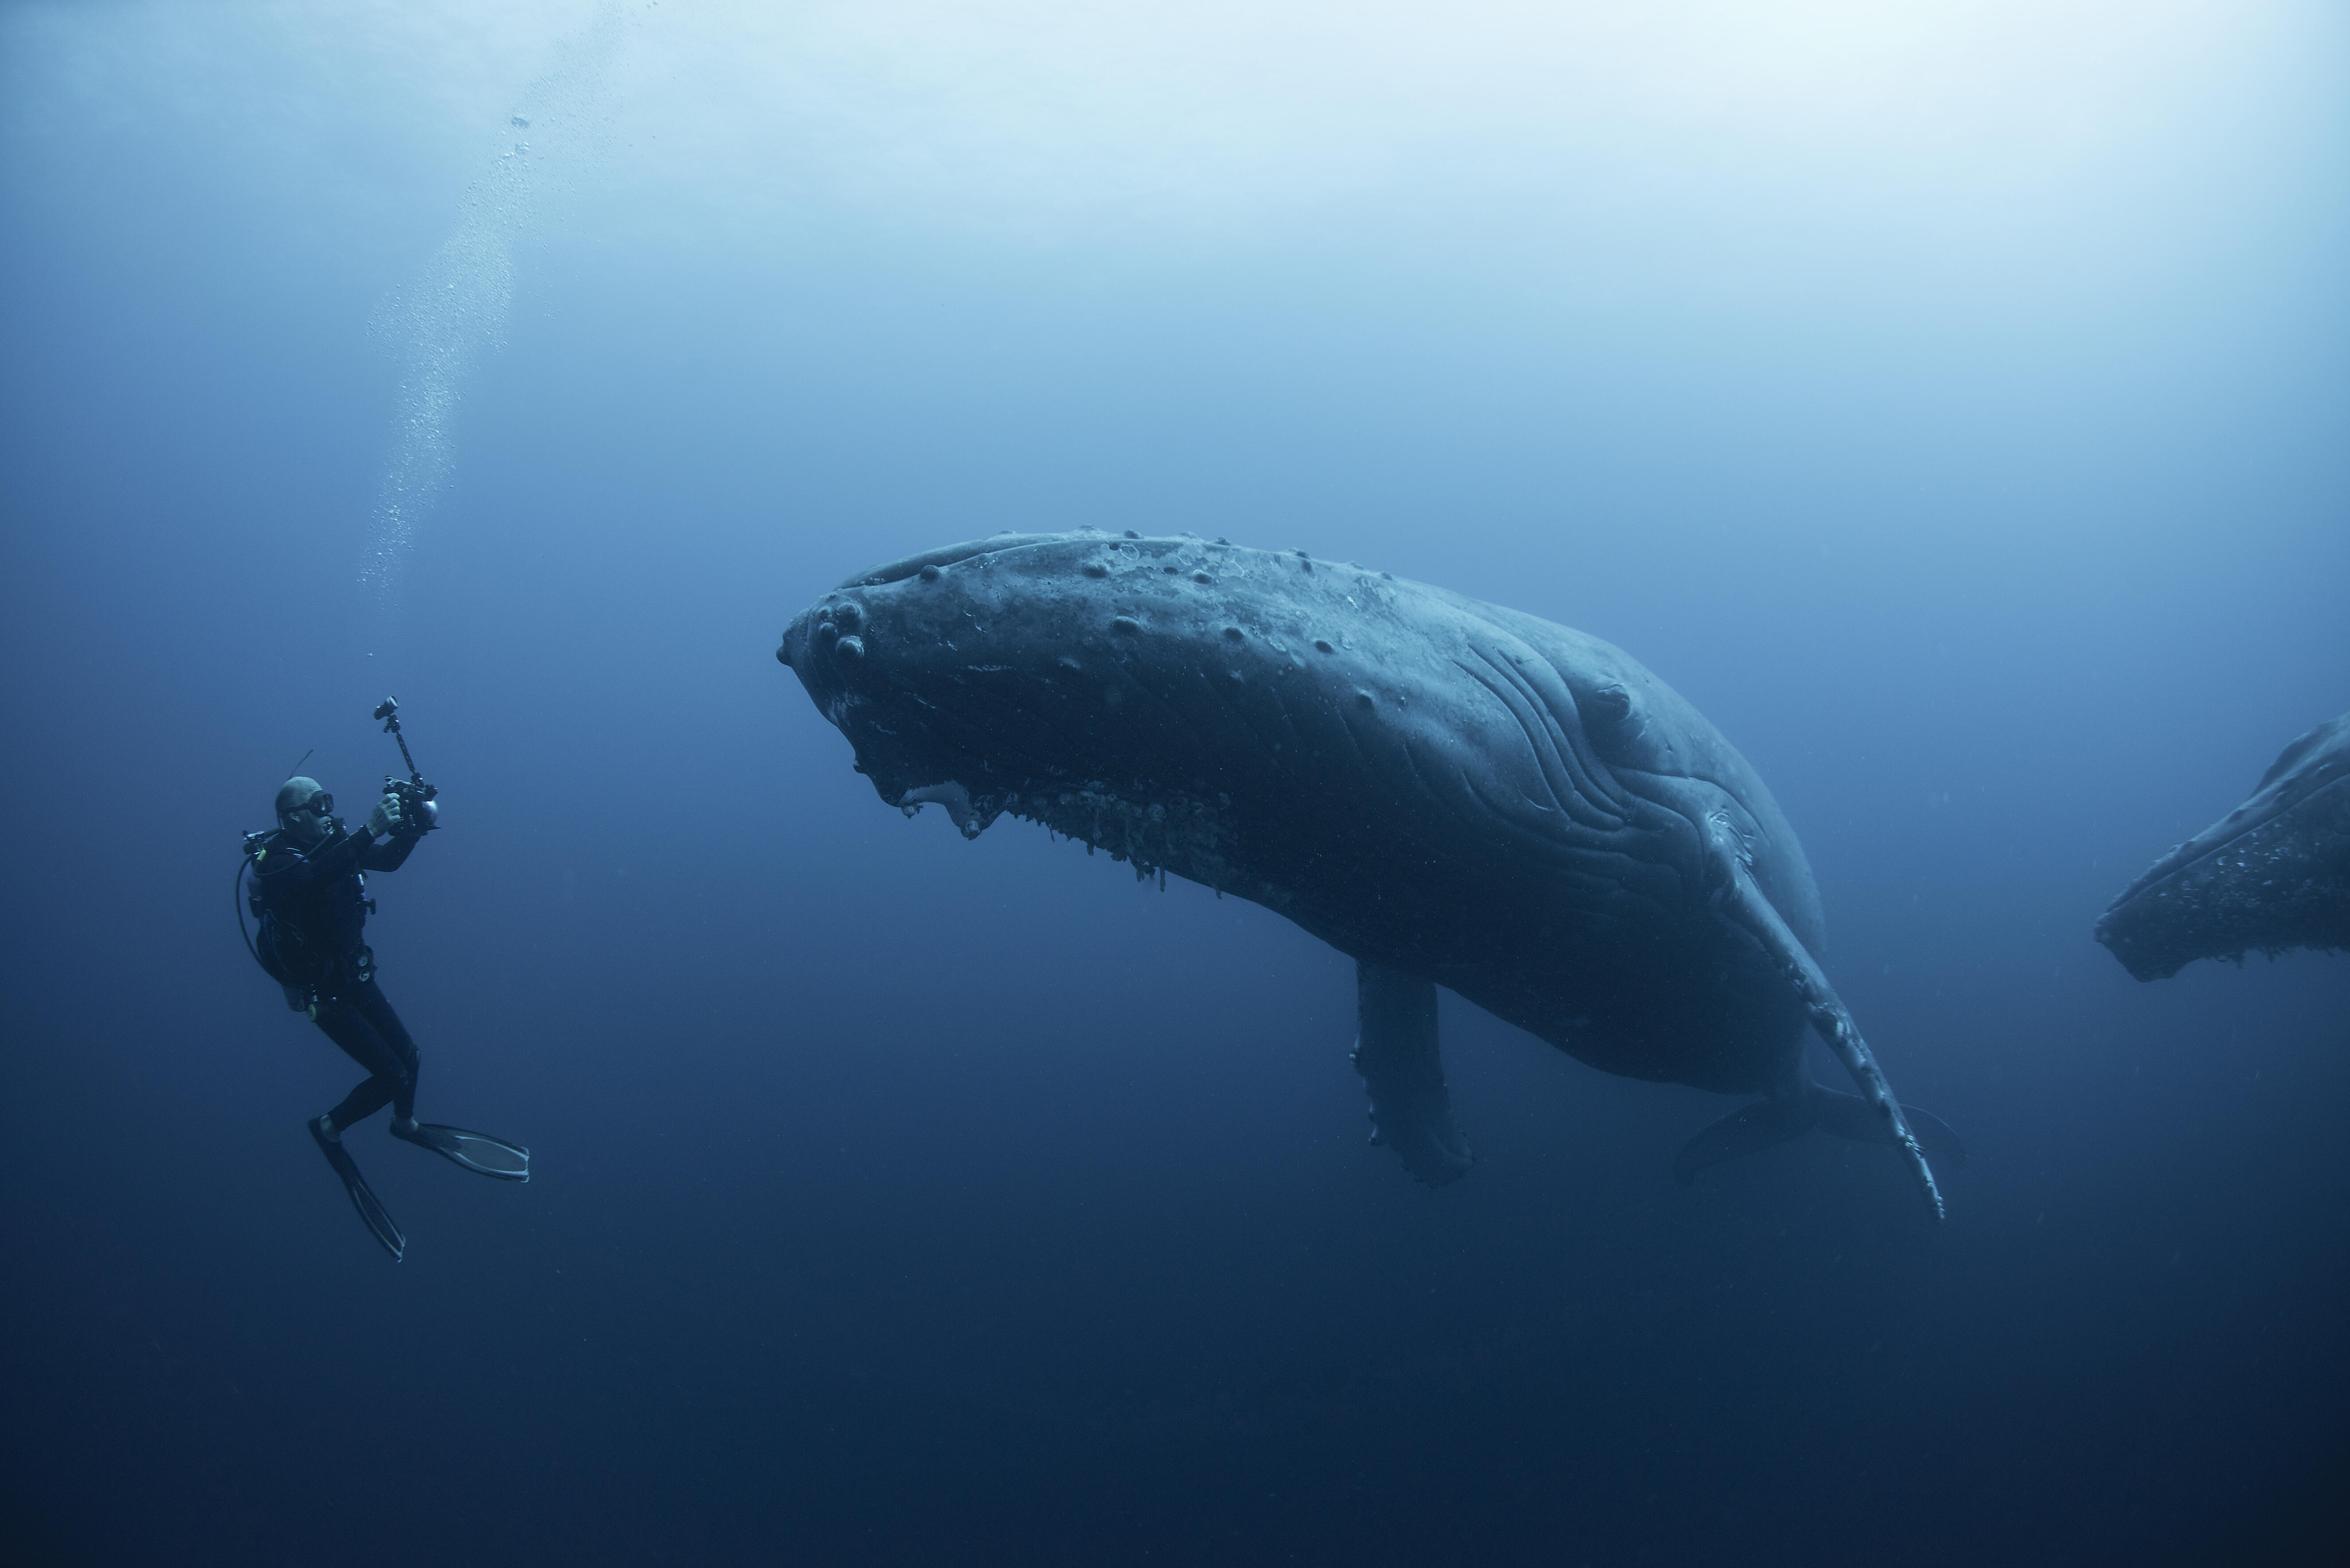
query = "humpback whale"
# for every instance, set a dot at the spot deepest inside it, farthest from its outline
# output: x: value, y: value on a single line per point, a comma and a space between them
x: 2272, y: 875
x: 1446, y: 791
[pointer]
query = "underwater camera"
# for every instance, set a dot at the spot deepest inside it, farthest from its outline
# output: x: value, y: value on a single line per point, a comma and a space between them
x: 413, y: 794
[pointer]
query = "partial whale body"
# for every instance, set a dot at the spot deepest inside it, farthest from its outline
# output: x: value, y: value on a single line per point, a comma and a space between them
x: 1448, y: 792
x: 2270, y: 875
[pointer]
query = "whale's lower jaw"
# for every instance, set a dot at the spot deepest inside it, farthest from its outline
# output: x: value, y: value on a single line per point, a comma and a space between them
x: 1158, y: 833
x: 2284, y: 885
x: 1173, y: 832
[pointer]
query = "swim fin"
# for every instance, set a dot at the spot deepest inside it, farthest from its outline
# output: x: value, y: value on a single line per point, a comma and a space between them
x: 477, y: 1152
x: 372, y: 1210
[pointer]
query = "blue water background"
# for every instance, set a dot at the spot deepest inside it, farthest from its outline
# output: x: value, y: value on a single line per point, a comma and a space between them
x: 1961, y: 425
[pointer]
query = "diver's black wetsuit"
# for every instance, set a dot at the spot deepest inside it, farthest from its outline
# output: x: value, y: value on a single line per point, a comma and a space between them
x: 313, y: 905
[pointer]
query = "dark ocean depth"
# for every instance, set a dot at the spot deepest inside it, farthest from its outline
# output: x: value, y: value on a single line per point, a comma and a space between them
x: 1956, y: 410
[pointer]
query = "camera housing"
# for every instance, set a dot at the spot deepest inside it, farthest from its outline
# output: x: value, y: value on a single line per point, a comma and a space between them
x: 414, y: 796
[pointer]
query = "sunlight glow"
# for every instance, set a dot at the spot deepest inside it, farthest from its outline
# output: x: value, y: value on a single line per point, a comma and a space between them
x: 1024, y: 110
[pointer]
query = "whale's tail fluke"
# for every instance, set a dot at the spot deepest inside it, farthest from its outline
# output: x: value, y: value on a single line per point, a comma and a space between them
x: 1753, y: 1128
x: 1850, y: 1116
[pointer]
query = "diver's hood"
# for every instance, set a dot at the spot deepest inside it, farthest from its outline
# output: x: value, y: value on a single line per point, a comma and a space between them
x: 295, y: 792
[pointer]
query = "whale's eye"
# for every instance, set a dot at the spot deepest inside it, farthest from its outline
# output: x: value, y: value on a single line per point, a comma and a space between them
x: 1322, y: 645
x: 1094, y: 570
x: 1201, y: 577
x: 1234, y: 634
x: 931, y: 574
x: 1612, y: 703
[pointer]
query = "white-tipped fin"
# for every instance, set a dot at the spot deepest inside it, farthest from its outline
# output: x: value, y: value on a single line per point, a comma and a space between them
x: 1738, y: 898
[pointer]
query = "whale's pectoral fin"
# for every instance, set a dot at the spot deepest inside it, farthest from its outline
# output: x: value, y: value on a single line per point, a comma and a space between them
x: 1396, y: 1053
x: 1740, y: 899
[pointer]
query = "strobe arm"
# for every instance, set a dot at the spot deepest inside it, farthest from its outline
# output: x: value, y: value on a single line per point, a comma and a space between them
x: 414, y: 790
x: 389, y: 712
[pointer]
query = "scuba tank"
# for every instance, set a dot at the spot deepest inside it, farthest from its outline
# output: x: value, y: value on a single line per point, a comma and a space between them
x: 265, y: 951
x: 280, y: 948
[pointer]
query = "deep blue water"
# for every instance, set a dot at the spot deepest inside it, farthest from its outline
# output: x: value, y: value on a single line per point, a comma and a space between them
x: 1952, y: 410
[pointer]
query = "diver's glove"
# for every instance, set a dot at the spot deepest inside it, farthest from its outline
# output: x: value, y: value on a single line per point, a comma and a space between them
x: 385, y: 817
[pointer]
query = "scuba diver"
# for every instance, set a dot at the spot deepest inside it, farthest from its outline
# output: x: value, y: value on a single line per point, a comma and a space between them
x: 309, y: 892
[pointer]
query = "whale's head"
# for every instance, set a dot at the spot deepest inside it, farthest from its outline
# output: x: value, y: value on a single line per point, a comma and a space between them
x: 2272, y: 875
x: 1106, y: 684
